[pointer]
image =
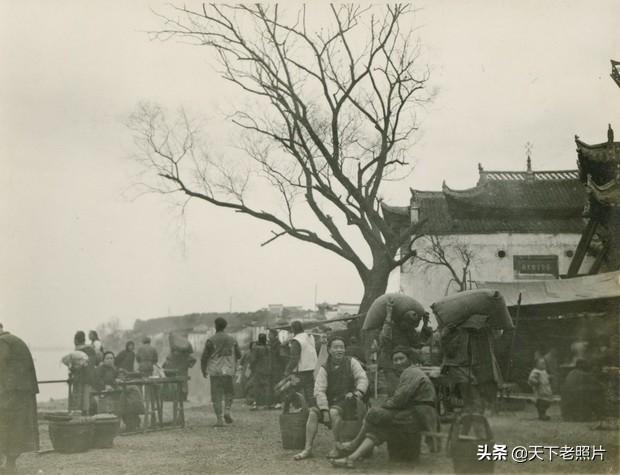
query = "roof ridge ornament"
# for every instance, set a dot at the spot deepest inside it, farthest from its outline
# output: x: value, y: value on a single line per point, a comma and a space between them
x: 528, y: 150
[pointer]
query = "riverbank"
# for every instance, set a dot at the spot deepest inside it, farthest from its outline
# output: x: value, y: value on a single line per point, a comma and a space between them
x: 252, y: 445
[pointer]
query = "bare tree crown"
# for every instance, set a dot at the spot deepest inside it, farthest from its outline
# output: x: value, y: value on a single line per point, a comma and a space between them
x: 335, y: 115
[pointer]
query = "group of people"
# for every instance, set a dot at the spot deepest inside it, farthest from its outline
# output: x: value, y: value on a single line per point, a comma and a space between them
x: 339, y: 386
x: 94, y: 369
x: 261, y: 368
x: 586, y: 393
x: 335, y: 390
x: 95, y: 376
x: 342, y: 382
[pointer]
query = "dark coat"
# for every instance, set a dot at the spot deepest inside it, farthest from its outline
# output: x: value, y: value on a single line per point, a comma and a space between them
x: 19, y: 431
x: 259, y: 360
x: 17, y: 371
x: 125, y: 360
x: 105, y: 376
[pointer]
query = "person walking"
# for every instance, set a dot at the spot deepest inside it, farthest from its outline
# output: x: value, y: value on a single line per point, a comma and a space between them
x: 276, y: 365
x: 19, y: 430
x: 259, y: 365
x: 219, y: 362
x: 303, y: 361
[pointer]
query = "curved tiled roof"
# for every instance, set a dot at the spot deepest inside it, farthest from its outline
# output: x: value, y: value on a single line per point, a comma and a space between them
x: 545, y: 202
x: 599, y: 167
x: 602, y: 152
x: 443, y: 219
x: 534, y: 197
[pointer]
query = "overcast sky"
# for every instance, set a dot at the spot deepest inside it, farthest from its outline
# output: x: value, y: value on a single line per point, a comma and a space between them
x: 75, y: 251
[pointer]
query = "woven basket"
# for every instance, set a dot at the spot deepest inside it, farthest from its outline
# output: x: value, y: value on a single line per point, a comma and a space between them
x: 109, y: 404
x: 293, y: 424
x: 72, y: 436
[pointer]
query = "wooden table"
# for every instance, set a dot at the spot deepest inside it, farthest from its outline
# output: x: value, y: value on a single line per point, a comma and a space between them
x: 150, y: 388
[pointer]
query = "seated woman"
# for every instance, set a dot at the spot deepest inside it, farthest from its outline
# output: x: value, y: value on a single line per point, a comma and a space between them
x: 340, y: 381
x: 106, y: 373
x: 126, y: 404
x: 414, y: 398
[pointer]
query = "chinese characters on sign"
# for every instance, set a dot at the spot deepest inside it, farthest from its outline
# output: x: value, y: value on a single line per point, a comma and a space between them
x: 536, y: 265
x: 522, y: 454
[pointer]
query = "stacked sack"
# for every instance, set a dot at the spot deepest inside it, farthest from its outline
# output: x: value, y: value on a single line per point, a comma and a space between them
x: 179, y: 343
x: 459, y: 309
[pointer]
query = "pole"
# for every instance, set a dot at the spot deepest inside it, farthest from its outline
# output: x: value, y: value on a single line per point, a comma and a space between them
x: 512, y: 340
x: 315, y: 293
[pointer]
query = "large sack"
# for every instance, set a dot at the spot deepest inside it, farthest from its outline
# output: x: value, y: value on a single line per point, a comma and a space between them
x: 455, y: 309
x: 179, y: 342
x: 377, y: 312
x: 75, y: 359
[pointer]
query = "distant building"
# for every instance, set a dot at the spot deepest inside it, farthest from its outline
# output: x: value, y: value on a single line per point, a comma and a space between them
x: 347, y: 309
x: 515, y: 225
x: 331, y: 311
x: 275, y: 309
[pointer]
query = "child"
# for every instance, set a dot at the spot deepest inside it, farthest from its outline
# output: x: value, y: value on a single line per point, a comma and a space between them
x: 539, y: 381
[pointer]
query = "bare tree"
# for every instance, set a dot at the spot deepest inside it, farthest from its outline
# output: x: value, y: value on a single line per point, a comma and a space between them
x: 333, y: 117
x: 455, y: 256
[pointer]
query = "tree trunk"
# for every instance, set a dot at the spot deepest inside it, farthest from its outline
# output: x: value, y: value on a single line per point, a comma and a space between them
x: 375, y: 285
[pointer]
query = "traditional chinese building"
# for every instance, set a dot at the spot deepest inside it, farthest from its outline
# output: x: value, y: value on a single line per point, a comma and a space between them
x: 599, y: 171
x: 511, y: 226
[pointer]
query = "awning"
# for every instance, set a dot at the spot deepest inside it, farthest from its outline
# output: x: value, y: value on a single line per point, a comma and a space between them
x: 566, y: 295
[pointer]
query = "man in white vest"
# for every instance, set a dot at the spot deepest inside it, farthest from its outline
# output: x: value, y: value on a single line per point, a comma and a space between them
x: 303, y: 361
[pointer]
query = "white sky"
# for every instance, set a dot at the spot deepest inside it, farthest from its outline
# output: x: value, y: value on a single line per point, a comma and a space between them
x: 76, y: 252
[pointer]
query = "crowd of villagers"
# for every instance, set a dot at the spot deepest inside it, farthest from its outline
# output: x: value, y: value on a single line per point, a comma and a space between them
x: 333, y: 388
x: 96, y: 374
x: 338, y: 386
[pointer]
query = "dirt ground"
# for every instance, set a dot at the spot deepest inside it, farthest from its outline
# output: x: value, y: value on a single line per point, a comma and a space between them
x: 252, y: 445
